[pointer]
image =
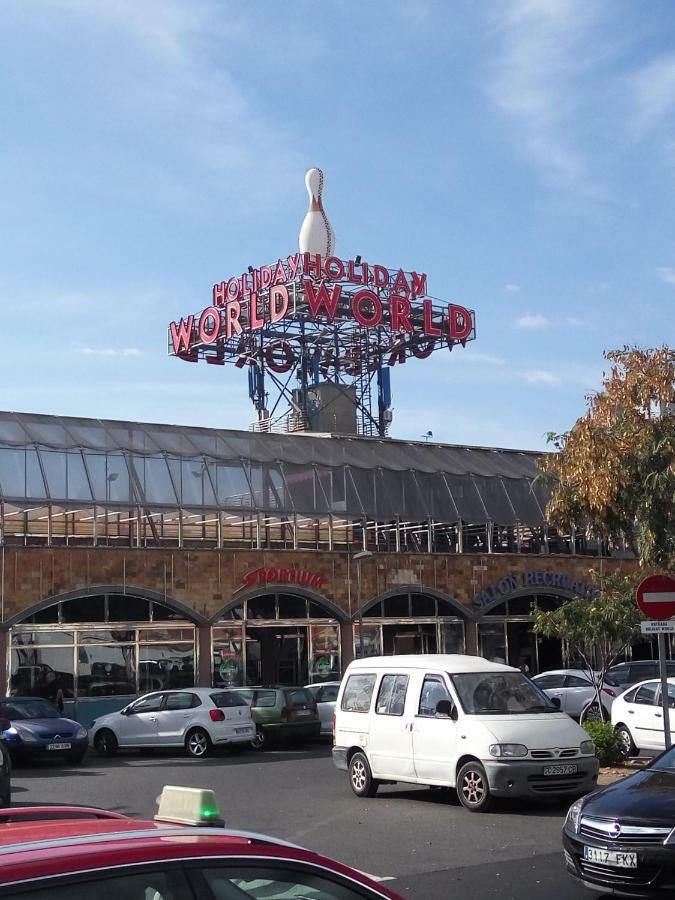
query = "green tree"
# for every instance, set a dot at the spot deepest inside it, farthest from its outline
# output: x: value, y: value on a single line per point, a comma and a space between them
x: 614, y: 471
x: 597, y: 631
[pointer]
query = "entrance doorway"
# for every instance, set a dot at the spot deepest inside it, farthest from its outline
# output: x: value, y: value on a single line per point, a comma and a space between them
x: 505, y: 635
x: 277, y: 655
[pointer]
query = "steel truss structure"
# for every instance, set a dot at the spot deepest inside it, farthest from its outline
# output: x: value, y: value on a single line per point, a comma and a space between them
x: 288, y: 360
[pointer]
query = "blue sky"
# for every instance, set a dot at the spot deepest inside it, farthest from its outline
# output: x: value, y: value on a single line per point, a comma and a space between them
x: 522, y: 153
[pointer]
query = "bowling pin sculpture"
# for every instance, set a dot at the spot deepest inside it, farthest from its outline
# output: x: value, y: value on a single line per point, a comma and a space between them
x: 316, y: 234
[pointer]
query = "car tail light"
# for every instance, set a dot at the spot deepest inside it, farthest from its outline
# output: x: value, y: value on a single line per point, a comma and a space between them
x: 217, y: 715
x: 286, y: 712
x: 609, y: 691
x: 313, y: 706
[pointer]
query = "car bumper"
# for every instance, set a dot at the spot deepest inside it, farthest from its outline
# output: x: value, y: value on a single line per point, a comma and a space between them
x: 292, y: 731
x: 524, y: 778
x: 41, y: 748
x: 245, y: 736
x: 340, y: 758
x: 654, y: 875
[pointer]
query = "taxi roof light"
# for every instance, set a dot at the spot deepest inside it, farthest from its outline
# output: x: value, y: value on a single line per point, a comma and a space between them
x: 188, y: 806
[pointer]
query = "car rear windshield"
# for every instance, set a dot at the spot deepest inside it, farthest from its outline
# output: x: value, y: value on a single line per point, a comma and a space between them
x: 500, y: 693
x: 229, y: 698
x: 299, y: 697
x: 15, y: 710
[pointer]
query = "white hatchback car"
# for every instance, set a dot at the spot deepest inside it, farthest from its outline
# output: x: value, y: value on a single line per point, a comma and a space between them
x: 638, y: 718
x: 574, y: 689
x: 325, y: 693
x: 197, y: 719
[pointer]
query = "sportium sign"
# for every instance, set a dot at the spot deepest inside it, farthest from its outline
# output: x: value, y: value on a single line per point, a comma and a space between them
x: 261, y: 306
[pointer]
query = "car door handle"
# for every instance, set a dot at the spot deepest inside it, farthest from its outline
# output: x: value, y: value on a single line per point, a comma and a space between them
x: 153, y: 720
x: 659, y: 715
x: 631, y: 712
x: 186, y: 716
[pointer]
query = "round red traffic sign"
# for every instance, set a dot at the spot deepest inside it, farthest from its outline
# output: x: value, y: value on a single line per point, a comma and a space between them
x: 656, y: 596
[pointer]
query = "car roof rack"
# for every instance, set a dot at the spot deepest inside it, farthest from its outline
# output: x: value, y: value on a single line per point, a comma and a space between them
x: 46, y: 813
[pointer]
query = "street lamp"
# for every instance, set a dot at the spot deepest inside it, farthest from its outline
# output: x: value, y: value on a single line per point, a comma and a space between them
x: 358, y: 557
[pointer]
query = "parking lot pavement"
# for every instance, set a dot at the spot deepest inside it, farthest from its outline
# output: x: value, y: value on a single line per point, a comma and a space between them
x: 421, y: 839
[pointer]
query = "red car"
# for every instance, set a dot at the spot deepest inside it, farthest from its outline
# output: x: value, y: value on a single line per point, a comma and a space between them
x: 79, y: 853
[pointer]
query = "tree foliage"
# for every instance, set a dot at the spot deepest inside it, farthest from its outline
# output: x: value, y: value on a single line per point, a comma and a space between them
x: 614, y: 471
x: 597, y: 631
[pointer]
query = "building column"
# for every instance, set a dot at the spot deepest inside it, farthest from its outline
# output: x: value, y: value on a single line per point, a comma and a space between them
x: 471, y: 636
x: 4, y: 643
x: 204, y: 671
x: 346, y: 644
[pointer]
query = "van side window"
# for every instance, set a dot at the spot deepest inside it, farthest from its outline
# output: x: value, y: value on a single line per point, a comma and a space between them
x: 391, y: 698
x: 433, y: 690
x: 358, y: 693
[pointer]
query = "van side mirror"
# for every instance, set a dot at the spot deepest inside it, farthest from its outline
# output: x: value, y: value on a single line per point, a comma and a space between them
x: 447, y: 709
x: 555, y: 701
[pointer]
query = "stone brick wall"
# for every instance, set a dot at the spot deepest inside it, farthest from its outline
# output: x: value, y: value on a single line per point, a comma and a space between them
x: 206, y: 581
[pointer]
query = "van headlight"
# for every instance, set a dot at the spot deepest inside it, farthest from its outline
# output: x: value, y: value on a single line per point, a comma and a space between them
x: 573, y: 819
x: 509, y: 751
x: 587, y: 748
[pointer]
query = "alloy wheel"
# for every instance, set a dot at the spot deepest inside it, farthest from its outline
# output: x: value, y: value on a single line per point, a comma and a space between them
x: 359, y: 776
x: 473, y: 787
x: 198, y: 743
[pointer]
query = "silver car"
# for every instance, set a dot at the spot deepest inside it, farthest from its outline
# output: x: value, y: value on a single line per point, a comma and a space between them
x: 325, y: 693
x: 573, y: 687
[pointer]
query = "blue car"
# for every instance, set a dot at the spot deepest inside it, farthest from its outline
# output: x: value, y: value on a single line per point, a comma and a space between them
x: 38, y: 728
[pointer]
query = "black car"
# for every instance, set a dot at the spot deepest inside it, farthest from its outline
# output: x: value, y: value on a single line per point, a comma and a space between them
x: 621, y: 838
x: 624, y: 675
x: 36, y: 727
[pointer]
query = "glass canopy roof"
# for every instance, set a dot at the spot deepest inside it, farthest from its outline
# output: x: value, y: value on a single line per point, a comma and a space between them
x: 120, y: 464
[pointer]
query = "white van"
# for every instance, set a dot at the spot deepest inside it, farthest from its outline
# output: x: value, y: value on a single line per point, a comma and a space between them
x: 460, y: 722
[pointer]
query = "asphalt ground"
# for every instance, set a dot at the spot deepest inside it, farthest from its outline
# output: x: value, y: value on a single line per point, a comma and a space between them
x: 420, y: 840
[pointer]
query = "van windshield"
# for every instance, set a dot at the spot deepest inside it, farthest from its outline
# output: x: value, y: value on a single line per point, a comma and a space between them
x: 500, y: 693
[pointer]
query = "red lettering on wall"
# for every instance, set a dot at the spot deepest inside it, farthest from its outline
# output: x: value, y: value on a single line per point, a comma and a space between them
x: 265, y: 276
x: 181, y: 334
x: 367, y: 308
x: 334, y: 268
x: 381, y: 276
x: 220, y: 294
x: 401, y: 283
x: 351, y: 274
x: 400, y: 313
x: 321, y: 298
x: 311, y: 265
x: 209, y: 325
x: 279, y: 274
x: 293, y: 265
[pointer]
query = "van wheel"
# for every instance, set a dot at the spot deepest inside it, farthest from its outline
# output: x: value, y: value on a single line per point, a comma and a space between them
x: 360, y: 777
x: 473, y: 789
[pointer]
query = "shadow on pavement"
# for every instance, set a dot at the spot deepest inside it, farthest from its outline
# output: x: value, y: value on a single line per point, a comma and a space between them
x: 549, y: 807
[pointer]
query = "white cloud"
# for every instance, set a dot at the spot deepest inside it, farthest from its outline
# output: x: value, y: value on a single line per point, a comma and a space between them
x: 110, y: 351
x: 541, y: 376
x: 545, y: 50
x: 653, y: 89
x: 512, y: 288
x: 534, y: 322
x: 666, y: 274
x: 575, y: 322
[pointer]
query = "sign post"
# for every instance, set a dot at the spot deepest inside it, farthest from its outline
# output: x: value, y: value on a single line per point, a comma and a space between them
x: 656, y: 598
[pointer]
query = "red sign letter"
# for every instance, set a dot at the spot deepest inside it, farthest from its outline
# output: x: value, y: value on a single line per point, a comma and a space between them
x: 232, y: 324
x: 255, y: 322
x: 321, y: 298
x: 429, y: 327
x: 278, y: 302
x: 419, y: 284
x: 181, y: 334
x: 371, y: 300
x: 400, y: 313
x: 209, y: 325
x: 461, y: 322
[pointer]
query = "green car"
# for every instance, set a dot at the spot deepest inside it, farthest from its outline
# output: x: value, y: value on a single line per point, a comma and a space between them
x: 281, y: 714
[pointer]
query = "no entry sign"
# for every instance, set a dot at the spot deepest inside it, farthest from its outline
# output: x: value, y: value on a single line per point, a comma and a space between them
x: 656, y: 596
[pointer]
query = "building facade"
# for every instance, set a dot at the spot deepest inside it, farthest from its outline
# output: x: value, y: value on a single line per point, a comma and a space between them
x: 137, y: 556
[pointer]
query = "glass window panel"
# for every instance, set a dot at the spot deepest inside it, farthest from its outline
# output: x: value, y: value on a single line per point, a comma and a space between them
x: 106, y: 670
x: 76, y: 477
x: 273, y: 882
x: 46, y: 430
x: 524, y: 501
x: 35, y: 486
x: 156, y: 883
x: 325, y: 659
x: 468, y: 503
x: 372, y: 640
x: 11, y: 431
x: 83, y: 609
x: 54, y: 465
x: 452, y: 637
x: 164, y: 666
x: 364, y: 485
x: 300, y: 482
x: 423, y: 606
x: 165, y: 635
x: 122, y: 608
x: 317, y: 611
x: 106, y: 636
x: 397, y: 607
x: 195, y: 483
x: 415, y: 507
x: 232, y: 486
x: 263, y: 607
x: 26, y: 638
x: 324, y: 488
x: 498, y: 610
x: 109, y: 477
x: 47, y: 616
x: 375, y: 610
x: 389, y: 490
x: 153, y: 473
x: 228, y: 658
x: 162, y: 613
x: 255, y: 475
x: 292, y: 607
x: 274, y: 494
x: 521, y: 606
x: 492, y: 641
x: 46, y: 672
x: 496, y: 502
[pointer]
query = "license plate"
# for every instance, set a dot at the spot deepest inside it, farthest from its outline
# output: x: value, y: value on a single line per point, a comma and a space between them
x: 242, y: 730
x: 611, y: 858
x: 302, y: 712
x: 570, y: 769
x: 58, y: 746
